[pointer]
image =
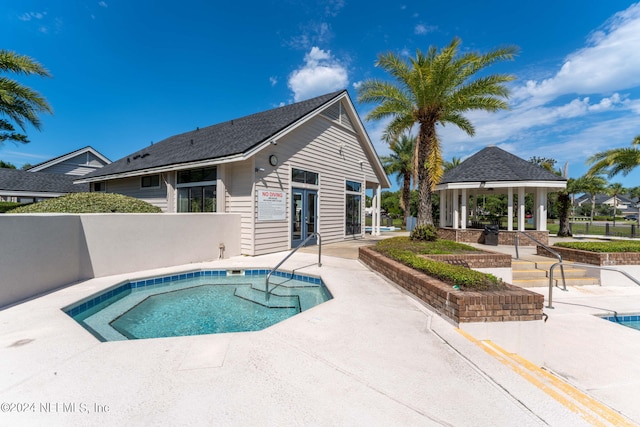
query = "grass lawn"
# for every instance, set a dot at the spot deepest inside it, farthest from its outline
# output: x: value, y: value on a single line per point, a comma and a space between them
x: 610, y: 246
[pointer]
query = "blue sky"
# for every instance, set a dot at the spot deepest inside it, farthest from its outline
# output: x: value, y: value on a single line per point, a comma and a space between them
x: 128, y: 73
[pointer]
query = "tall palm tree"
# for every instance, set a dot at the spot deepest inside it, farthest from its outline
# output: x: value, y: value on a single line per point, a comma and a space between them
x: 400, y: 161
x: 616, y: 160
x: 614, y: 190
x: 435, y: 88
x: 19, y: 104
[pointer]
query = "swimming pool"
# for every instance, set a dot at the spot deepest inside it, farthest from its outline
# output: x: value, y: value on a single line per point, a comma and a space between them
x: 197, y: 302
x: 629, y: 320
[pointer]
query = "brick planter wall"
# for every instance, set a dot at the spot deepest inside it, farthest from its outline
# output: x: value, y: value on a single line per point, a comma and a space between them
x: 487, y: 259
x: 512, y: 304
x: 595, y: 258
x: 473, y: 235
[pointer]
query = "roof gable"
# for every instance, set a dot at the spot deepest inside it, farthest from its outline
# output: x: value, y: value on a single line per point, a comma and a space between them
x: 84, y: 154
x: 493, y: 164
x: 224, y: 140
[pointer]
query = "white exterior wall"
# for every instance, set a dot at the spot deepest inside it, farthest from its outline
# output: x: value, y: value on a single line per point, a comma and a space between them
x: 49, y: 251
x: 239, y: 199
x: 132, y: 187
x: 322, y: 146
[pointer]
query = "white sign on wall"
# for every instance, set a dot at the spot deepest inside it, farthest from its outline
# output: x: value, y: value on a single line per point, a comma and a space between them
x: 272, y: 205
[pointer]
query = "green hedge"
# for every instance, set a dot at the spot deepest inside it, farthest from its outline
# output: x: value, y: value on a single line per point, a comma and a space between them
x: 437, y: 247
x: 609, y: 246
x: 407, y: 252
x: 90, y: 203
x: 7, y: 206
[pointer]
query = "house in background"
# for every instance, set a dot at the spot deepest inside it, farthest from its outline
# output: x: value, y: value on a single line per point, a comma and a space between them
x: 76, y: 163
x: 53, y: 178
x: 624, y: 204
x: 290, y: 172
x: 28, y: 187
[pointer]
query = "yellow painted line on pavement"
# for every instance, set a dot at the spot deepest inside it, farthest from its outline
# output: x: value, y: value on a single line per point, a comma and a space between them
x: 584, y: 405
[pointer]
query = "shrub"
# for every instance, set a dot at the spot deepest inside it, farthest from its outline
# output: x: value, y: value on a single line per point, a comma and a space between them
x: 612, y: 246
x: 407, y: 251
x: 7, y: 206
x: 456, y: 275
x: 424, y: 247
x: 428, y: 233
x: 90, y: 203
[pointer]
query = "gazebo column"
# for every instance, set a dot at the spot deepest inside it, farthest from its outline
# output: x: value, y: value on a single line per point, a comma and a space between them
x: 510, y: 209
x: 463, y: 210
x: 455, y: 208
x: 541, y: 209
x: 520, y: 208
x: 443, y: 208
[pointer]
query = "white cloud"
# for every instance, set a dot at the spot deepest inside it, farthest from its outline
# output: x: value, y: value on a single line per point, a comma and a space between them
x: 102, y: 4
x: 32, y: 15
x: 321, y: 73
x: 273, y: 81
x: 422, y: 29
x: 610, y: 62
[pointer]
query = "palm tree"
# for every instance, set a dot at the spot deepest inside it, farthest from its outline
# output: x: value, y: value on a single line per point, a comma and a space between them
x: 616, y: 160
x: 614, y: 190
x: 564, y: 206
x: 592, y: 185
x: 401, y: 162
x: 19, y: 104
x: 435, y: 88
x: 450, y: 164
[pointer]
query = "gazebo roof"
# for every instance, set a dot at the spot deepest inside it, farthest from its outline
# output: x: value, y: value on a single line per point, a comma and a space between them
x: 493, y: 164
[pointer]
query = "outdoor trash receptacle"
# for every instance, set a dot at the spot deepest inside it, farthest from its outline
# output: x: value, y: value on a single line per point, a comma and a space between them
x: 491, y: 235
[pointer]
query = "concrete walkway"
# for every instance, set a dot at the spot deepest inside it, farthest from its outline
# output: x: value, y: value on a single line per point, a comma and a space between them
x: 372, y: 356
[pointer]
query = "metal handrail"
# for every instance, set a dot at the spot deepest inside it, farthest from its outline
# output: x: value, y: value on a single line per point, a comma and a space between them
x: 266, y: 282
x: 578, y: 264
x: 515, y: 240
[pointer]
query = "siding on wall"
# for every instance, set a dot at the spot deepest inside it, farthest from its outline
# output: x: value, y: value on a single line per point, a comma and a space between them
x: 131, y: 187
x: 322, y: 146
x: 78, y: 165
x: 239, y: 192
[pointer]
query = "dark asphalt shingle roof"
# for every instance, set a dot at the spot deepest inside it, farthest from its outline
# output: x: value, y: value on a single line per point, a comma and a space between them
x: 495, y: 164
x: 42, y: 182
x: 221, y: 140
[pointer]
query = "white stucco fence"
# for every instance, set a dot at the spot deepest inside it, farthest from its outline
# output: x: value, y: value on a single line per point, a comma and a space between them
x: 43, y: 252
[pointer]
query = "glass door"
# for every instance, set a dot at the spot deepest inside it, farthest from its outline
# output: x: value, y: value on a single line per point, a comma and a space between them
x: 304, y: 216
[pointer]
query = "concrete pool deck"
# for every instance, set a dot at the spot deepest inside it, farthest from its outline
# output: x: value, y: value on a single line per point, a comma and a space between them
x: 371, y: 356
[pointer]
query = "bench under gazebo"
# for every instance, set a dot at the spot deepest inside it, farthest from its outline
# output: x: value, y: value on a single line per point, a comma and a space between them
x: 493, y: 171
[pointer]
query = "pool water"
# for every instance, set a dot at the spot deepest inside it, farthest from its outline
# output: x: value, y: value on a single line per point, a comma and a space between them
x: 196, y: 303
x: 629, y: 320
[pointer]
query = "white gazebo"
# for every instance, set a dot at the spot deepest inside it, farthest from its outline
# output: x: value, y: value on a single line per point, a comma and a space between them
x: 494, y: 171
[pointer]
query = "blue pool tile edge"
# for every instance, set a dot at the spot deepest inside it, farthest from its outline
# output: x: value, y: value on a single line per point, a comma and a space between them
x: 87, y: 303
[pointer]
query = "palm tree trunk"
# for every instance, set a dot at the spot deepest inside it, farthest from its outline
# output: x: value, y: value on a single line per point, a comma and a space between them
x: 406, y: 197
x: 426, y: 139
x: 593, y: 207
x: 564, y: 202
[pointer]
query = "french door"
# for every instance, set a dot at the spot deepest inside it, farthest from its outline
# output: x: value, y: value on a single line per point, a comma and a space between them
x: 304, y: 216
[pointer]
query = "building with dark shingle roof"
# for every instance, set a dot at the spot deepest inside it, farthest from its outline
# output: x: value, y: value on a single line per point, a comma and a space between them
x: 290, y: 172
x: 495, y: 171
x: 23, y: 186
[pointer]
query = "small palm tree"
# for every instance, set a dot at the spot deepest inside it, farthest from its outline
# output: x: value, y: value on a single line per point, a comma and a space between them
x: 450, y: 164
x: 614, y: 190
x: 592, y: 185
x: 19, y: 104
x: 616, y: 160
x: 564, y: 206
x: 401, y: 162
x: 438, y: 87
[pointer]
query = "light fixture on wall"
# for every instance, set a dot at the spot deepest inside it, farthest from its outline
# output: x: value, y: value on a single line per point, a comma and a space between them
x: 259, y: 169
